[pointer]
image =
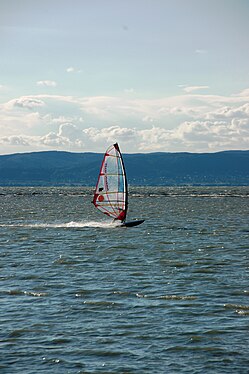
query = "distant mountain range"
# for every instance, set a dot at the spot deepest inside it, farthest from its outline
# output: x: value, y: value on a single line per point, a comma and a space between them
x: 65, y: 168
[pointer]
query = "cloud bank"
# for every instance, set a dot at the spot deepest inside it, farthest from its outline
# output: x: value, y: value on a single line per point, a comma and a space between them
x: 190, y: 122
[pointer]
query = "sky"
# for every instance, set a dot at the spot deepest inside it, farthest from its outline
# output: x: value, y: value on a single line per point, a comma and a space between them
x: 153, y: 75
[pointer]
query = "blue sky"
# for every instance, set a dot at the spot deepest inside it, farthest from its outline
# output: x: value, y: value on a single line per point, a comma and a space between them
x: 154, y: 75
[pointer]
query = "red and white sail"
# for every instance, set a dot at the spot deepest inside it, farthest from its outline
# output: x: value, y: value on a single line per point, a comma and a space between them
x: 111, y: 195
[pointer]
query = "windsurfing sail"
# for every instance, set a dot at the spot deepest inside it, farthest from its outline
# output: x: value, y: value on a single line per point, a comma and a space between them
x: 111, y: 193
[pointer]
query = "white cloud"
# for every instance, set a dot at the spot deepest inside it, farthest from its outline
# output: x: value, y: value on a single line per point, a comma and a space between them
x: 194, y: 88
x: 244, y: 93
x: 71, y: 132
x: 72, y: 69
x: 53, y: 140
x: 14, y: 140
x: 194, y: 136
x: 58, y: 120
x: 188, y: 122
x: 230, y: 112
x: 46, y: 83
x: 27, y: 102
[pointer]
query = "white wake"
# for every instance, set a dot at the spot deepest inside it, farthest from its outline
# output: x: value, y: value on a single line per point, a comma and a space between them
x: 72, y: 224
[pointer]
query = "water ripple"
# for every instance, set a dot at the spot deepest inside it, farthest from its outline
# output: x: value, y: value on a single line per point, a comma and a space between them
x: 79, y: 295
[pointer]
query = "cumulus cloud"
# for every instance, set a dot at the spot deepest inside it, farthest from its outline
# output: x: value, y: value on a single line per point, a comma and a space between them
x: 71, y: 132
x: 188, y: 122
x: 198, y: 136
x: 54, y: 140
x: 14, y: 140
x: 26, y: 102
x: 229, y: 112
x: 46, y: 83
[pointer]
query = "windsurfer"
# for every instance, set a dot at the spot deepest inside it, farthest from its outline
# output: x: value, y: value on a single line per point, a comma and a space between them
x: 111, y: 193
x: 121, y: 217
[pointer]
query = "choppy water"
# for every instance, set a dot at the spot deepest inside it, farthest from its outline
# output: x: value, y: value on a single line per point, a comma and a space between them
x: 78, y: 295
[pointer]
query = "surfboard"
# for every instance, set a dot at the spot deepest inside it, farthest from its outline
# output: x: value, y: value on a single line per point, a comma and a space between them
x: 132, y: 223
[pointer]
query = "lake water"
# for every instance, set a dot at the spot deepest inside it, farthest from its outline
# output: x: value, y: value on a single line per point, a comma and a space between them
x: 81, y: 296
